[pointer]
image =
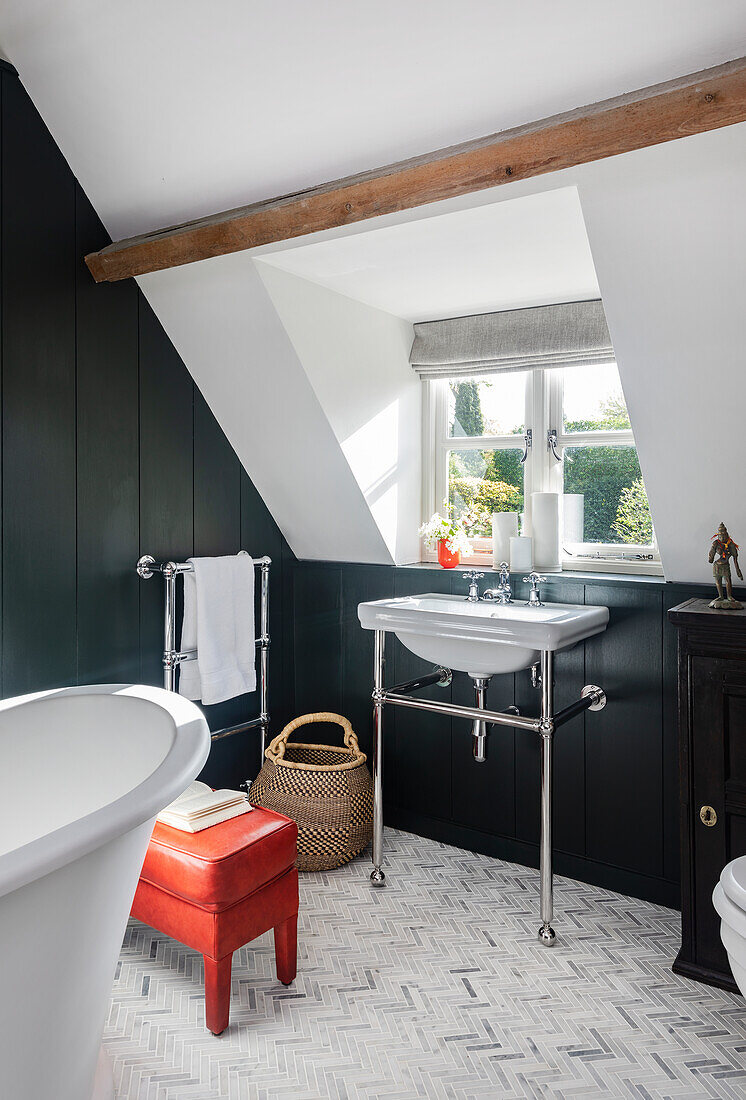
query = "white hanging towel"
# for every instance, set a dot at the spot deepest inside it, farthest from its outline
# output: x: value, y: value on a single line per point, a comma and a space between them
x: 219, y: 624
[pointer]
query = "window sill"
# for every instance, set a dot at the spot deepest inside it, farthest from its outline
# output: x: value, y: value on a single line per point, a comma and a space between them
x: 483, y: 561
x: 610, y: 565
x: 568, y: 576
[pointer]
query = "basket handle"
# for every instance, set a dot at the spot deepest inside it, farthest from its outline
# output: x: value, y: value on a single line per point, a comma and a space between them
x: 277, y: 746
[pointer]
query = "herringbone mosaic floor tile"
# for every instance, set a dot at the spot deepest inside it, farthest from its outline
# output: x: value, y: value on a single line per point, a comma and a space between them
x: 434, y: 987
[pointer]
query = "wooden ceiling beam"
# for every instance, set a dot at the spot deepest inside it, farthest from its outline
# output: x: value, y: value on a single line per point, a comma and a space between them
x: 688, y: 105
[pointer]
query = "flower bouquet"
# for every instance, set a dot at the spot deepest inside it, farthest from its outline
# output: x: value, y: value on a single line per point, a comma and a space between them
x: 449, y: 535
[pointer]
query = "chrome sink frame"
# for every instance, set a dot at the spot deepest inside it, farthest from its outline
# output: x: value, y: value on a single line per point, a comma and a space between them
x: 592, y: 698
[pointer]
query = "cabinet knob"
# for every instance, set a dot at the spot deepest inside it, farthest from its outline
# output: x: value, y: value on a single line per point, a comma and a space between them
x: 708, y: 816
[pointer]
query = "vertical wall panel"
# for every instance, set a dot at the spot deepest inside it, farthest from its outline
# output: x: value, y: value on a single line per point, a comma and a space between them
x: 217, y: 530
x: 217, y: 486
x: 260, y: 536
x: 107, y: 466
x: 38, y: 416
x: 360, y: 583
x: 318, y: 639
x: 166, y: 475
x: 624, y: 741
x: 419, y: 752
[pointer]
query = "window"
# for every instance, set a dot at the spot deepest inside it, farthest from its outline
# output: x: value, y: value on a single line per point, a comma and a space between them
x: 488, y: 450
x: 485, y: 425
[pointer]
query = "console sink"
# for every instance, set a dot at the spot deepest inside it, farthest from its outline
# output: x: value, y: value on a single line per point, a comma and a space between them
x: 484, y: 638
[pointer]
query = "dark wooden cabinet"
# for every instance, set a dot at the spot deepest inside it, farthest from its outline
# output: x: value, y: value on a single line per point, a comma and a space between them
x: 712, y: 753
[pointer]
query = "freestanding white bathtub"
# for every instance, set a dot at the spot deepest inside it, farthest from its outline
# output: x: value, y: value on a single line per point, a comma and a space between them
x: 83, y: 773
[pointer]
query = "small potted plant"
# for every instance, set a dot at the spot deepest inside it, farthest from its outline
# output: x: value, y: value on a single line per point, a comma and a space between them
x: 450, y: 537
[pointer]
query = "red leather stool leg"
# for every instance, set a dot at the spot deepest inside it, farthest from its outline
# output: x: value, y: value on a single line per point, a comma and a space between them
x: 217, y: 992
x: 286, y: 950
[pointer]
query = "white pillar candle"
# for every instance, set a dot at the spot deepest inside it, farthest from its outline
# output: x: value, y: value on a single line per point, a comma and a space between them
x: 545, y: 530
x: 521, y: 554
x: 573, y: 517
x: 504, y: 527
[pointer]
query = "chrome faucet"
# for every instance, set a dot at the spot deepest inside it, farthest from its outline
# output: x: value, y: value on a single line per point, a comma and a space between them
x: 473, y: 578
x: 502, y: 593
x: 534, y: 599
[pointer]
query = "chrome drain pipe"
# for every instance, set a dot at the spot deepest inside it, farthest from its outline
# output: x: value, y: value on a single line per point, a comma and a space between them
x: 479, y: 727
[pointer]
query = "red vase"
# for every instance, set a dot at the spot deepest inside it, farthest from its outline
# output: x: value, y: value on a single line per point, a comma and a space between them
x: 447, y: 559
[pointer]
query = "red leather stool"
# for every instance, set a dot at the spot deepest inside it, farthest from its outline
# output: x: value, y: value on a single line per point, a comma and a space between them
x: 218, y: 889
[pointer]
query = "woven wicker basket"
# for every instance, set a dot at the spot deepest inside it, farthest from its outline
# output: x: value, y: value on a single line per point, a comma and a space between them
x: 328, y: 791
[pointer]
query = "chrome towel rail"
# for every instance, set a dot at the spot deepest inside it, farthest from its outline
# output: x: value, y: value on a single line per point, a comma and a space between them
x: 147, y: 566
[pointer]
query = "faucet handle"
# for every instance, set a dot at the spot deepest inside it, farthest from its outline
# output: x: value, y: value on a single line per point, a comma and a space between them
x: 534, y: 578
x: 472, y: 575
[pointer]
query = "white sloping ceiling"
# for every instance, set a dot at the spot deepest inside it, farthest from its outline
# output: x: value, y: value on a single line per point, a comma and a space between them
x: 508, y: 255
x: 174, y: 109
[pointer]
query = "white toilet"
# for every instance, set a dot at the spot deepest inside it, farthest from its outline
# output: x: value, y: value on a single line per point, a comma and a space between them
x: 729, y: 899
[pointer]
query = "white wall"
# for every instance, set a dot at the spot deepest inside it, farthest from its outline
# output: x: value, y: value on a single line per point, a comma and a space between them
x: 666, y: 227
x: 357, y: 361
x: 222, y: 321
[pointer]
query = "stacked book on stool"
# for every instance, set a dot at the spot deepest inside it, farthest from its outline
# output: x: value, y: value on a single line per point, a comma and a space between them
x: 200, y: 806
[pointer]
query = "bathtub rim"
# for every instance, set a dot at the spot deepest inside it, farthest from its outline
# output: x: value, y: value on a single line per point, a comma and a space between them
x: 184, y: 759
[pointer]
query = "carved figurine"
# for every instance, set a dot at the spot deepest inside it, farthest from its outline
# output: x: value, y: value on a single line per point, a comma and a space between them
x: 723, y: 547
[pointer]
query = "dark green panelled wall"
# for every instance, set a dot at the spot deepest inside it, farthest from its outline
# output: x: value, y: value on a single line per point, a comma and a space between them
x: 616, y: 773
x: 108, y: 451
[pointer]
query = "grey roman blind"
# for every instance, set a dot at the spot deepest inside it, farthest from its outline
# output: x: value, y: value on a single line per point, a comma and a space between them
x: 571, y: 334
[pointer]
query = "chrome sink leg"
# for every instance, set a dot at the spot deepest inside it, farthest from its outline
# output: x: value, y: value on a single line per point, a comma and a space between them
x: 479, y: 729
x: 377, y: 877
x: 547, y: 934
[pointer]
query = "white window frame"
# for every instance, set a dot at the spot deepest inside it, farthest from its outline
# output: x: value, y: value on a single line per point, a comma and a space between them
x: 542, y: 471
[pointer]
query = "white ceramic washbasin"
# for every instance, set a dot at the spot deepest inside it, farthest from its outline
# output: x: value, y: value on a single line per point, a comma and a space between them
x: 485, y: 638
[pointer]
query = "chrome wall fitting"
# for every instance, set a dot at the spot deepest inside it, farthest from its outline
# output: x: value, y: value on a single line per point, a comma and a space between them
x: 143, y: 567
x: 479, y: 728
x: 597, y: 694
x: 146, y: 567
